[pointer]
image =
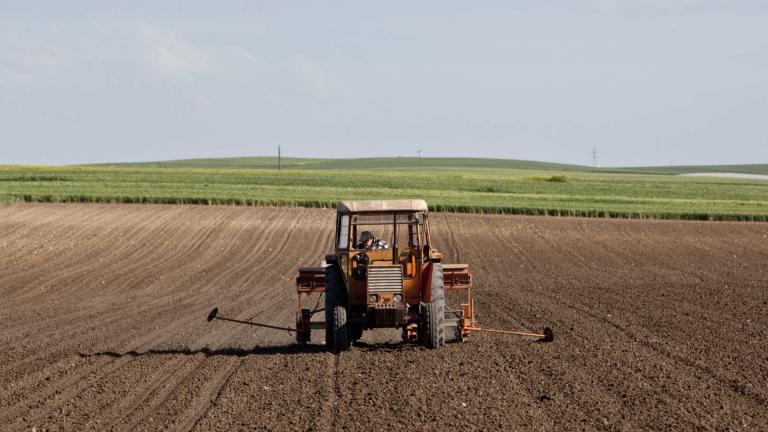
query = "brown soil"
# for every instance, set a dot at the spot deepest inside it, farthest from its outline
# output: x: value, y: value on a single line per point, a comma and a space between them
x: 658, y: 324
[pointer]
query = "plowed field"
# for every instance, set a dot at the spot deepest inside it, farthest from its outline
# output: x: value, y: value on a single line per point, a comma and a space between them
x: 658, y: 325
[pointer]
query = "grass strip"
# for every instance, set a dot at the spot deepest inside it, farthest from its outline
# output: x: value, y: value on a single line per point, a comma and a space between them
x: 496, y: 191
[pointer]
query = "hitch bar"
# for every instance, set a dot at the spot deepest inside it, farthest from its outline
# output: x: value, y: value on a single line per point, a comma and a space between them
x: 215, y: 315
x: 547, y: 336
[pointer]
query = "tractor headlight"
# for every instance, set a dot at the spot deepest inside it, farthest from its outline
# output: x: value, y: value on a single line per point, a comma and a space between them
x: 373, y: 298
x: 398, y: 298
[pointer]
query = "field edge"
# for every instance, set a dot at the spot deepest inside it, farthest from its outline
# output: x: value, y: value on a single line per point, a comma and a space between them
x: 444, y: 208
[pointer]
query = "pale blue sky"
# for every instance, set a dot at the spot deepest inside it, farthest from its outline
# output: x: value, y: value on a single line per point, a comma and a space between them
x: 647, y: 82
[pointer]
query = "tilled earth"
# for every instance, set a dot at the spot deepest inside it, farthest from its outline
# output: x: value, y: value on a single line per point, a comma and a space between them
x: 658, y: 325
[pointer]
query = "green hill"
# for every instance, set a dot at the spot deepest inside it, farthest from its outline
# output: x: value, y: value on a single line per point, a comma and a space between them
x: 397, y: 163
x: 389, y: 163
x: 256, y: 162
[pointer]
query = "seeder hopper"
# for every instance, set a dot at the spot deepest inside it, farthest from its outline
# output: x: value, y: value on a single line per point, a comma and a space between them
x: 385, y: 273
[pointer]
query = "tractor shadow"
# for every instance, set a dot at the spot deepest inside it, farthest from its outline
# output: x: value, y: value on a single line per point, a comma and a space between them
x: 385, y: 346
x: 208, y: 352
x: 255, y: 351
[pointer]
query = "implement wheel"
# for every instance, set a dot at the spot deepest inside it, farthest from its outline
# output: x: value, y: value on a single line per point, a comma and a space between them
x: 433, y: 313
x: 336, y: 329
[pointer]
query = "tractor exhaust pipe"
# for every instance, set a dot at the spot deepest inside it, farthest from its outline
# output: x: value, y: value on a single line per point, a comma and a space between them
x: 215, y: 315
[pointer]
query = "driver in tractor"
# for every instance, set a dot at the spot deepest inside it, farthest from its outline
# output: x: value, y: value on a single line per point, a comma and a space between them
x: 368, y: 241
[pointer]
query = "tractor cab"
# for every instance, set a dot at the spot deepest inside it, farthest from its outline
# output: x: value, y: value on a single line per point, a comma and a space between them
x: 381, y: 248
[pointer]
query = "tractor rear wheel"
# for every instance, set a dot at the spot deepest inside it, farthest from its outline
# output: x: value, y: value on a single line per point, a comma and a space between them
x: 433, y: 313
x: 340, y: 329
x: 336, y: 329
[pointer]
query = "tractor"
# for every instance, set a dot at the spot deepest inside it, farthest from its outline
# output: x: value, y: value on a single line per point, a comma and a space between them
x: 385, y: 272
x: 399, y: 281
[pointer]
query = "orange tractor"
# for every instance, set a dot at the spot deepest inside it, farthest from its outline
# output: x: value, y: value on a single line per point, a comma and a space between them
x: 385, y: 273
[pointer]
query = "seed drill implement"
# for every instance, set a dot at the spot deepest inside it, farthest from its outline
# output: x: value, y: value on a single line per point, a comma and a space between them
x: 385, y: 273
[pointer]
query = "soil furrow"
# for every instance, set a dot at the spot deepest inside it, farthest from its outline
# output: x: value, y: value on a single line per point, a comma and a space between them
x: 659, y: 325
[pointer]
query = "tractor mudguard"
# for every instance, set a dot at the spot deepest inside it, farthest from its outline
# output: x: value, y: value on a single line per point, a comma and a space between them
x: 426, y: 283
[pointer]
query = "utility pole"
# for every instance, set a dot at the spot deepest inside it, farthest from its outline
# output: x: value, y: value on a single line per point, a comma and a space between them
x: 594, y: 156
x: 279, y: 160
x: 419, y: 152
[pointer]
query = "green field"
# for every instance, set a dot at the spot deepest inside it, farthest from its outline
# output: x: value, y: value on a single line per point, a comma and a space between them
x: 565, y: 192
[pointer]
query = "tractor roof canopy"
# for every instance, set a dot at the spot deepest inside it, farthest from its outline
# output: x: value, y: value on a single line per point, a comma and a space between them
x: 382, y: 206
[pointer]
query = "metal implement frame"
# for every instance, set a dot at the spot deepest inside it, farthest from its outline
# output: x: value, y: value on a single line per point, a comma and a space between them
x: 215, y: 315
x: 311, y: 280
x: 456, y: 278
